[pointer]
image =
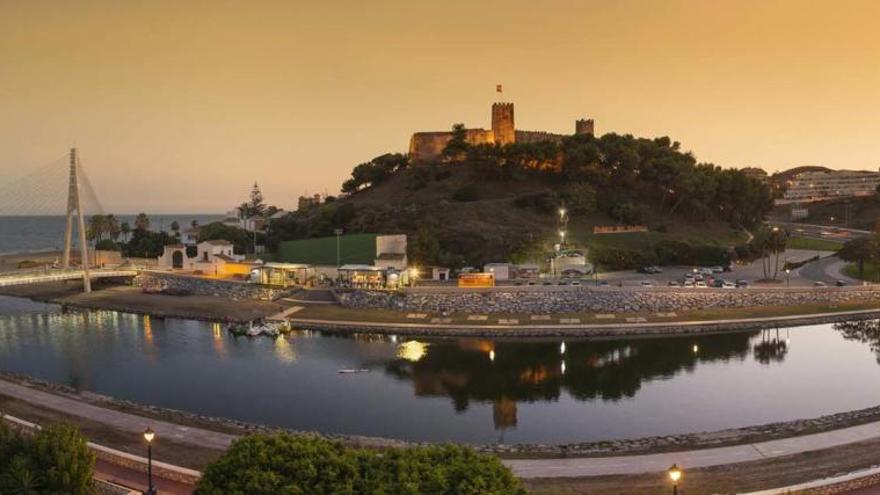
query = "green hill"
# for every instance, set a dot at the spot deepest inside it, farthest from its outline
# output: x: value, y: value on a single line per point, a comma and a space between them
x: 493, y: 203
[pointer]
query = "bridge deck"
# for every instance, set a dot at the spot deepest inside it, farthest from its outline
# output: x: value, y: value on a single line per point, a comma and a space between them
x: 8, y: 280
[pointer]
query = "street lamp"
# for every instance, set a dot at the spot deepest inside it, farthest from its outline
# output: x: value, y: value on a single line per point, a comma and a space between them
x: 148, y: 436
x: 562, y: 237
x: 788, y: 277
x: 674, y: 475
x: 338, y: 233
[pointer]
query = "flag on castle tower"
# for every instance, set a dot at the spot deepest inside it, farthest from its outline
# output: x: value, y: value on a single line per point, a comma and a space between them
x: 498, y: 88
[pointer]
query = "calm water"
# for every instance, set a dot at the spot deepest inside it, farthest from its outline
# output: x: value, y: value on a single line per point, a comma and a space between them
x: 38, y: 233
x: 460, y: 389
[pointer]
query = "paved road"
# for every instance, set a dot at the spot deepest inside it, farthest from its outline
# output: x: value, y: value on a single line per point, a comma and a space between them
x: 539, y: 468
x: 828, y: 270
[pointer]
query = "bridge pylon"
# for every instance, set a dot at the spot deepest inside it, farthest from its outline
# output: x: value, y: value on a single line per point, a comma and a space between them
x: 73, y: 205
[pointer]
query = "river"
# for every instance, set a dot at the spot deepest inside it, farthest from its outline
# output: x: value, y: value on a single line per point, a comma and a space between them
x: 466, y: 390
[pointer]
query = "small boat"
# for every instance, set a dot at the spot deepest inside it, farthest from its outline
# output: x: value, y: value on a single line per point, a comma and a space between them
x: 254, y: 331
x: 353, y: 370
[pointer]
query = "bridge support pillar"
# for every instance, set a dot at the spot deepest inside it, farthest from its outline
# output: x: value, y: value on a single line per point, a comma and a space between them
x: 73, y: 204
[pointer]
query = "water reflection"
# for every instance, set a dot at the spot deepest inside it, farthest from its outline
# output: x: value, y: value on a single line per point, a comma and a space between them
x: 507, y: 373
x: 864, y: 331
x: 771, y: 347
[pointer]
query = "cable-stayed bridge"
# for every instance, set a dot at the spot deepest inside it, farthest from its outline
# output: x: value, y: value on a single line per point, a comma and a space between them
x: 60, y: 187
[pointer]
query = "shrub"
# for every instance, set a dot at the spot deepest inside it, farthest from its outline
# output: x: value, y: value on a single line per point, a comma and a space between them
x: 53, y: 460
x: 466, y: 193
x: 284, y: 463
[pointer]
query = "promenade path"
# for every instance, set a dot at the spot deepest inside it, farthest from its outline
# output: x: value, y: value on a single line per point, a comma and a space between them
x: 525, y: 468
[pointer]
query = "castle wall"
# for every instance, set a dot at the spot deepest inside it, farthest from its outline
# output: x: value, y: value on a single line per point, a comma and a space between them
x: 584, y: 126
x: 427, y: 146
x: 537, y: 137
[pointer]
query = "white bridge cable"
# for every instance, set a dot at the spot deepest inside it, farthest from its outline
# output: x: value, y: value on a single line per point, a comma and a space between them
x: 44, y: 191
x: 40, y: 192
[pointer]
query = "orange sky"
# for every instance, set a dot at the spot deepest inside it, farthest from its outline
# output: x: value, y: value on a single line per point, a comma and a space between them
x: 180, y: 106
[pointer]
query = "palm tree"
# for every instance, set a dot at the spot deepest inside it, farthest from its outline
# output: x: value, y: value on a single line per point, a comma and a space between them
x: 125, y: 229
x: 142, y: 222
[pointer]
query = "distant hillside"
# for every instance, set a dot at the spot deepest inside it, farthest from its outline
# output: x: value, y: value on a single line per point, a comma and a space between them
x: 492, y: 203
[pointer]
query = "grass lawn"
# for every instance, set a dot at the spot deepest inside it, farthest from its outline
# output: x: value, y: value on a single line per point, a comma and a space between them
x: 812, y: 244
x: 871, y: 273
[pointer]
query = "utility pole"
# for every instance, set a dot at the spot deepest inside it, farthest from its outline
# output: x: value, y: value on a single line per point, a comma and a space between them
x: 74, y: 204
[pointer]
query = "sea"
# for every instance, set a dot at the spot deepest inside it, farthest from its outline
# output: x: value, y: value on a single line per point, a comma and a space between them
x: 21, y: 234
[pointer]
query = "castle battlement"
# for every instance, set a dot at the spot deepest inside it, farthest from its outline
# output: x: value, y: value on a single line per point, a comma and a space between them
x: 427, y: 146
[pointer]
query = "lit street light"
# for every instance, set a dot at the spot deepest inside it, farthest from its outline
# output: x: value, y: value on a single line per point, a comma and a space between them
x: 148, y: 436
x: 674, y: 475
x: 788, y: 277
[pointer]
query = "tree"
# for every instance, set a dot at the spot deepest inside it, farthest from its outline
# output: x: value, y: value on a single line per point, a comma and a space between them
x: 125, y: 230
x: 286, y: 463
x: 768, y: 244
x: 860, y: 251
x: 175, y: 229
x: 458, y: 145
x: 54, y: 459
x: 194, y: 223
x: 142, y: 222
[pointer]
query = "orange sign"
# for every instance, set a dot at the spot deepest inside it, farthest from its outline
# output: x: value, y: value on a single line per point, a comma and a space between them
x: 476, y: 280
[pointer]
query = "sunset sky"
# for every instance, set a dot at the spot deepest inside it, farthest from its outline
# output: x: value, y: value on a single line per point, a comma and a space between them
x: 180, y: 106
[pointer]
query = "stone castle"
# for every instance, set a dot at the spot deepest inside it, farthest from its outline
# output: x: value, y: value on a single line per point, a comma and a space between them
x: 427, y: 146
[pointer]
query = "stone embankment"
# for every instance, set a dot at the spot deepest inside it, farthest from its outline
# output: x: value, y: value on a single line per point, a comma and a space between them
x: 599, y: 300
x: 645, y: 445
x: 175, y: 284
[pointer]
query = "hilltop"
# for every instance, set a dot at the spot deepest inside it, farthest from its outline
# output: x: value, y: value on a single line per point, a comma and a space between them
x: 493, y: 203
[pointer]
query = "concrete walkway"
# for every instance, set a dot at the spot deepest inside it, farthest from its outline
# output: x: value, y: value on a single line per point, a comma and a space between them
x: 525, y: 468
x: 117, y: 419
x: 596, y: 466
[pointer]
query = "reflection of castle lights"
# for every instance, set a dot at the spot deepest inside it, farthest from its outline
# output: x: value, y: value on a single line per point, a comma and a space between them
x: 562, y: 347
x: 562, y: 367
x: 148, y: 329
x: 696, y: 348
x: 393, y: 338
x: 284, y: 351
x: 492, y: 356
x: 412, y: 350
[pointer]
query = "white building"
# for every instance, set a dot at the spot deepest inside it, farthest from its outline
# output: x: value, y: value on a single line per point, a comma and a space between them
x: 391, y: 251
x: 822, y: 185
x: 214, y: 257
x: 500, y: 270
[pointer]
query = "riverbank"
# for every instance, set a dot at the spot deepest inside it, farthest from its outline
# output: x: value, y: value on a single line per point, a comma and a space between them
x: 187, y: 443
x: 333, y: 317
x: 130, y: 299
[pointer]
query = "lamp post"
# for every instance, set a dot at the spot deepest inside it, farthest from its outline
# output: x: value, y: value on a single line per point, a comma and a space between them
x: 338, y: 233
x: 788, y: 277
x: 674, y: 475
x: 148, y: 436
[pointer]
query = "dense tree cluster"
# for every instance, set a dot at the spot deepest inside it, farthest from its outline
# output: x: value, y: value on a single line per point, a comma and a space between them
x: 625, y: 175
x: 55, y: 459
x: 284, y: 463
x: 374, y: 171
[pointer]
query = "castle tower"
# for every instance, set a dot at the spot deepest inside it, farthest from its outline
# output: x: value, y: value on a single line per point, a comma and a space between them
x: 584, y: 126
x: 502, y: 123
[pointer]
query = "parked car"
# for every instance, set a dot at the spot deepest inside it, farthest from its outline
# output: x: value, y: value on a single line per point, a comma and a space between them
x: 705, y: 271
x: 728, y: 285
x: 701, y: 285
x: 649, y: 269
x: 819, y: 283
x: 698, y: 277
x: 839, y: 283
x: 717, y: 283
x: 688, y: 284
x: 717, y: 269
x: 576, y: 282
x: 647, y: 283
x: 673, y: 283
x: 603, y: 283
x: 742, y: 284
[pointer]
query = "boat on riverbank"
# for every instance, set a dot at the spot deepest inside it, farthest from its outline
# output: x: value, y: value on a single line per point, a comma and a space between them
x: 260, y: 329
